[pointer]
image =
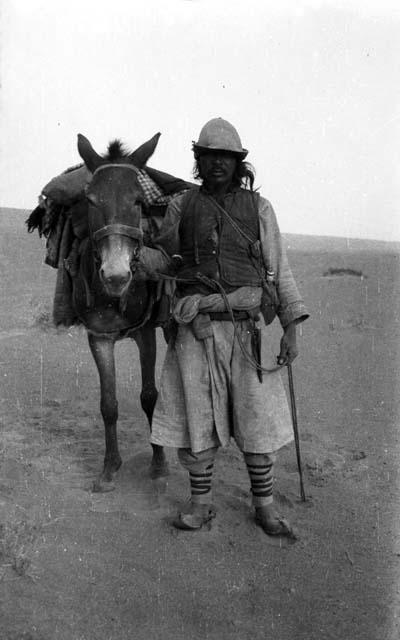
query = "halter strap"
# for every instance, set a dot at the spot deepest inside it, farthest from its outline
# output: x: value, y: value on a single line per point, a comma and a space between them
x: 116, y: 228
x: 119, y: 229
x: 123, y: 165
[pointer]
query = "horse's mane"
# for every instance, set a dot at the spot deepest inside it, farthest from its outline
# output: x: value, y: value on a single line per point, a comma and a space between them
x: 117, y: 151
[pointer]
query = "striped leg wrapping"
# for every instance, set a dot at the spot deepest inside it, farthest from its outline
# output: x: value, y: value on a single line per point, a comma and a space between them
x: 200, y: 484
x: 262, y: 480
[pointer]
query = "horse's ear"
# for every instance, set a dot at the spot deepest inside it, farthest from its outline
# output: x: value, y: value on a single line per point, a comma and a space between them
x: 140, y: 156
x: 90, y: 157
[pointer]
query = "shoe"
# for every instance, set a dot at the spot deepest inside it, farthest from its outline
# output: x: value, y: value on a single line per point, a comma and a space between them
x: 198, y: 515
x: 273, y: 525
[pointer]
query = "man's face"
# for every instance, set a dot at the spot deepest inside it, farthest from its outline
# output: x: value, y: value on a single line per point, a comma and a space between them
x: 217, y: 168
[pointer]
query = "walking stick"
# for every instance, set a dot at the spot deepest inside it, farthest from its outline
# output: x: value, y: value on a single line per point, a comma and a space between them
x: 296, y: 430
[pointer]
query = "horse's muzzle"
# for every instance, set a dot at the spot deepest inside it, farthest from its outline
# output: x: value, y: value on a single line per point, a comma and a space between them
x: 116, y: 284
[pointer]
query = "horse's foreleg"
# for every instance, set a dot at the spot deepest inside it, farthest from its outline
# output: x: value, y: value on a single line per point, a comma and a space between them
x: 146, y: 342
x: 103, y: 353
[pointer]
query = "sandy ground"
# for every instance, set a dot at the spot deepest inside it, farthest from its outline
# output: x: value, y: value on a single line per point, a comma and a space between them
x: 75, y: 565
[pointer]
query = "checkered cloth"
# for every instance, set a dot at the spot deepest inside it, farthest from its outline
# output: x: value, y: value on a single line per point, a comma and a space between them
x: 153, y: 194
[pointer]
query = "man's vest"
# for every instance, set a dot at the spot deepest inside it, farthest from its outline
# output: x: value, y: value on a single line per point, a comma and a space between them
x: 210, y: 245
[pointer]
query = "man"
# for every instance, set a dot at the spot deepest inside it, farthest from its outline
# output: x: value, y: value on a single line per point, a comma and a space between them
x: 225, y: 240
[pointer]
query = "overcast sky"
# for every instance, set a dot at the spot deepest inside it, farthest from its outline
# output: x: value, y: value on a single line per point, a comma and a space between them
x: 312, y: 87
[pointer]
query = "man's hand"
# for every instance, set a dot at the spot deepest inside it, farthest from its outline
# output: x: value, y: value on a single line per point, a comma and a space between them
x: 288, y: 350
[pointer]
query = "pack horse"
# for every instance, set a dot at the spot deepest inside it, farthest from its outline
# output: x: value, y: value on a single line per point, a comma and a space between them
x: 106, y: 297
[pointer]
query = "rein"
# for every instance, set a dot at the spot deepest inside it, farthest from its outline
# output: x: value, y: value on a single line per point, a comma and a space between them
x: 216, y: 286
x: 267, y: 279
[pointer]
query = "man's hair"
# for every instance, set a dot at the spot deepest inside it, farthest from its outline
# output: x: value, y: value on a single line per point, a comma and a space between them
x: 243, y: 176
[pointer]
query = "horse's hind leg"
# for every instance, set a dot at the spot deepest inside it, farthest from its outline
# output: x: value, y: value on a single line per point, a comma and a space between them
x: 103, y: 353
x: 145, y: 339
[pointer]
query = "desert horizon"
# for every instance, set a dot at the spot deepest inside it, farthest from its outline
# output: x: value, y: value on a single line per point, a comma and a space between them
x: 295, y: 241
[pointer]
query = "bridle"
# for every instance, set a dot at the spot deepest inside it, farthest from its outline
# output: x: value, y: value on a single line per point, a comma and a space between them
x: 116, y: 228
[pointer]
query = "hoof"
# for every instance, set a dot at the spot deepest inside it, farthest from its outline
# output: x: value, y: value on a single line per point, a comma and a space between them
x: 159, y: 469
x: 105, y: 482
x: 102, y: 486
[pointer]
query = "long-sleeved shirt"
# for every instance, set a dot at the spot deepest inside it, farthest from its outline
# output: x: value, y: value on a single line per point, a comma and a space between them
x: 291, y: 306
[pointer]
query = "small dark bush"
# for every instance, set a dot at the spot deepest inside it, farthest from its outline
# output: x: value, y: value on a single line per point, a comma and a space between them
x: 344, y: 272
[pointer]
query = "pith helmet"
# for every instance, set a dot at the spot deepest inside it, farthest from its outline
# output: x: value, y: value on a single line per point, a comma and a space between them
x: 219, y: 134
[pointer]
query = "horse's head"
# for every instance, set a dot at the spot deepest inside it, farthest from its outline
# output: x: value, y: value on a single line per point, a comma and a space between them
x: 115, y: 199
